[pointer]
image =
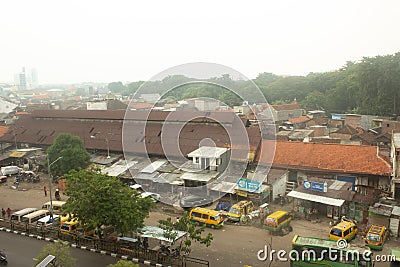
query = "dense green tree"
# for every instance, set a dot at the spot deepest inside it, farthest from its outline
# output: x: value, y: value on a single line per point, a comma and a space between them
x: 193, y: 230
x: 74, y: 155
x: 115, y: 87
x: 62, y: 253
x: 98, y: 199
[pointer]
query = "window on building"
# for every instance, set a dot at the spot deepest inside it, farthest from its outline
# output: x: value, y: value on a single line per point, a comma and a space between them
x: 218, y: 162
x: 197, y: 160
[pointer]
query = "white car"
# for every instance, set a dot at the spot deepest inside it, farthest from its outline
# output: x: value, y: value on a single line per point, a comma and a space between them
x: 47, y: 221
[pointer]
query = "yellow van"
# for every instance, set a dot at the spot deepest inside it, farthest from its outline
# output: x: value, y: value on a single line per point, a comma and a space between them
x: 57, y: 205
x: 69, y: 227
x: 346, y: 230
x: 376, y: 237
x: 278, y: 220
x: 34, y: 216
x: 239, y: 209
x: 211, y: 218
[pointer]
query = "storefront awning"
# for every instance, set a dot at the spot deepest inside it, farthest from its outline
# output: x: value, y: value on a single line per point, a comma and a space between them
x: 315, y: 198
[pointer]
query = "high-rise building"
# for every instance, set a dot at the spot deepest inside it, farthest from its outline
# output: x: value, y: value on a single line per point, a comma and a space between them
x: 34, y: 79
x: 26, y: 80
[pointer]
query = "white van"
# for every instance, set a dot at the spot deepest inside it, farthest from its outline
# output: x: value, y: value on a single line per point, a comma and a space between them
x: 47, y: 221
x: 57, y: 205
x: 10, y: 170
x: 17, y: 215
x: 34, y: 216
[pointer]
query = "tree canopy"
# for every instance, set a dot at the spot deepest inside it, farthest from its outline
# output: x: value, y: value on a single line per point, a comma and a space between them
x: 98, y: 199
x: 74, y: 155
x: 369, y: 86
x: 62, y: 253
x: 193, y: 229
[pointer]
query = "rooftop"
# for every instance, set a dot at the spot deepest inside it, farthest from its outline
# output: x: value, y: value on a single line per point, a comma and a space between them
x: 355, y: 159
x: 208, y: 152
x: 396, y: 140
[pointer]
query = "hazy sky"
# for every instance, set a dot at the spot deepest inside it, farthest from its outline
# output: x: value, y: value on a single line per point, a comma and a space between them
x: 76, y: 41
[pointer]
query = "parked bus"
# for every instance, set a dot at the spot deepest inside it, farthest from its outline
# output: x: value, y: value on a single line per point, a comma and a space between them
x: 57, y: 205
x: 34, y: 216
x: 17, y: 216
x: 309, y: 251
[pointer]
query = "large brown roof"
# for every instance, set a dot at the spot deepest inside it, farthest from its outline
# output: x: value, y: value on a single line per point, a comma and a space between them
x: 96, y: 127
x: 326, y: 157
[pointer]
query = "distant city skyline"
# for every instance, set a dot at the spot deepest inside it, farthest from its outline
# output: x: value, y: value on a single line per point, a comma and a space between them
x: 88, y: 41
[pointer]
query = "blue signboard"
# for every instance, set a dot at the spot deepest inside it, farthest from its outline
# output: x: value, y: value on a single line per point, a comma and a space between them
x: 320, y: 187
x: 248, y: 185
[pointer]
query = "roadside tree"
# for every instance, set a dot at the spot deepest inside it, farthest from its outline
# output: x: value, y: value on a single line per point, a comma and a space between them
x: 74, y: 155
x: 61, y: 251
x: 97, y: 200
x: 193, y: 229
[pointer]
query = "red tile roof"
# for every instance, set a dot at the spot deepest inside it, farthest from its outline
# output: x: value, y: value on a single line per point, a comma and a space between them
x: 329, y: 157
x: 3, y: 130
x: 299, y: 119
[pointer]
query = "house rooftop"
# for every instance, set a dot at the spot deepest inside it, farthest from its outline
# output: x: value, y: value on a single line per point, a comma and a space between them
x: 208, y: 152
x: 355, y: 159
x: 396, y: 140
x: 292, y: 106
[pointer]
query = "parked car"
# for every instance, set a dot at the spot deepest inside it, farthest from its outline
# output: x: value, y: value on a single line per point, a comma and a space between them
x: 191, y: 201
x: 10, y: 170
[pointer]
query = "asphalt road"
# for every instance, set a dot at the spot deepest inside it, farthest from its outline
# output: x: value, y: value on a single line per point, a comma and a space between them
x: 21, y: 251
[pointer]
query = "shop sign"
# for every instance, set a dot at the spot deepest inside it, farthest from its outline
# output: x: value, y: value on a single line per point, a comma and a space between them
x: 248, y: 185
x: 320, y: 187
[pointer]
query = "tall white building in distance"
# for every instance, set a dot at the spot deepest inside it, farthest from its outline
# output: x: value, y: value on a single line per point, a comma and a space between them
x: 26, y: 79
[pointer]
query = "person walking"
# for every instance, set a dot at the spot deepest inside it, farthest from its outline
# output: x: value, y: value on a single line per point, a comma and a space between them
x: 3, y: 213
x: 9, y: 212
x: 45, y: 191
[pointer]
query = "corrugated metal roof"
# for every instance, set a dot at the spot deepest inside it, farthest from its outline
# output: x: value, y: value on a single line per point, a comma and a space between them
x: 396, y: 211
x: 396, y: 140
x: 314, y: 198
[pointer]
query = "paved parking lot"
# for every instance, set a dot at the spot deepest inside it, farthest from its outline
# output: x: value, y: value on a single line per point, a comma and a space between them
x: 233, y: 245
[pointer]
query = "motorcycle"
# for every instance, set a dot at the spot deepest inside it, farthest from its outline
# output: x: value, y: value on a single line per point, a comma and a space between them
x: 3, y: 258
x: 57, y: 195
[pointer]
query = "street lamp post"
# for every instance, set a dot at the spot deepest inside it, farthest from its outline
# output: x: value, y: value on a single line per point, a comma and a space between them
x: 15, y: 141
x: 108, y: 148
x: 51, y: 197
x: 108, y: 144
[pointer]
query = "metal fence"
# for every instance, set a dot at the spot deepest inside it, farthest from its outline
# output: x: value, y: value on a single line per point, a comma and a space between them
x: 111, y: 245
